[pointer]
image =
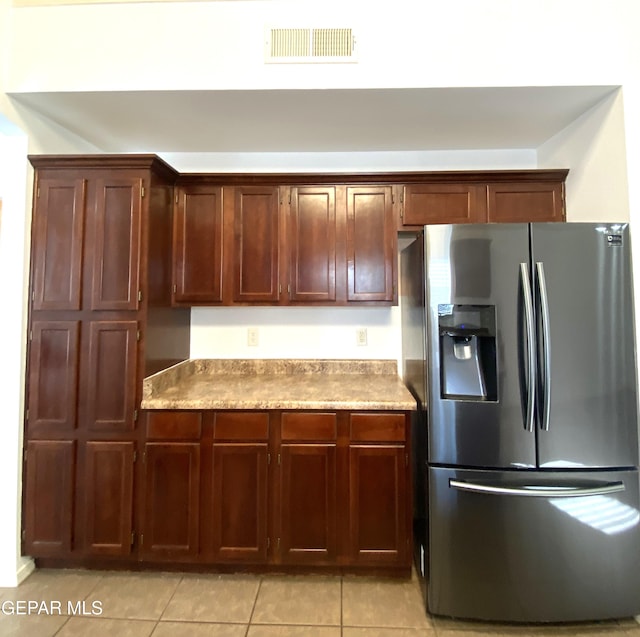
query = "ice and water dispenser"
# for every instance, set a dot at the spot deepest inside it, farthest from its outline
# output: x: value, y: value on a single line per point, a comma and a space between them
x: 468, y: 368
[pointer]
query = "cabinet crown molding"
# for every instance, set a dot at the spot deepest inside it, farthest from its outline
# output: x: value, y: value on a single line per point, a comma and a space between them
x: 155, y: 163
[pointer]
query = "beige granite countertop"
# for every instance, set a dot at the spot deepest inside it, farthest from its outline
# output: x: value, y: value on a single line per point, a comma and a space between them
x: 278, y: 384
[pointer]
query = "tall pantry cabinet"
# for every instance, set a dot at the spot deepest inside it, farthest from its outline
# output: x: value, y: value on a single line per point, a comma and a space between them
x: 100, y: 321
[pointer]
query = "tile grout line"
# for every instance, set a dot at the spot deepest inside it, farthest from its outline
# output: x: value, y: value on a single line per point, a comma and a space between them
x: 64, y: 623
x: 164, y: 610
x: 253, y: 608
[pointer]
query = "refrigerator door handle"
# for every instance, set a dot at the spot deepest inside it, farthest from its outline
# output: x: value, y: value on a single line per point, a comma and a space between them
x: 546, y: 349
x: 531, y: 358
x: 537, y: 491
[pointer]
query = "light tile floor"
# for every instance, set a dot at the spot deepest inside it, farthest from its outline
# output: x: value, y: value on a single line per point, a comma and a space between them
x: 181, y: 605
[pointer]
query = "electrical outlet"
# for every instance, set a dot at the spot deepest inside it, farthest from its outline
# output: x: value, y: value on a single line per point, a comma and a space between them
x: 361, y: 336
x: 252, y: 337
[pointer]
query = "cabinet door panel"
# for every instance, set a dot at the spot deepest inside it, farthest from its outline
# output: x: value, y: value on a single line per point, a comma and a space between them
x: 313, y: 244
x: 240, y: 501
x: 108, y: 497
x: 197, y: 247
x: 110, y: 382
x: 378, y: 501
x: 116, y: 244
x: 371, y: 241
x: 49, y: 484
x: 53, y: 376
x: 256, y: 252
x: 444, y: 203
x: 58, y: 229
x: 172, y: 500
x: 308, y: 531
x: 520, y: 203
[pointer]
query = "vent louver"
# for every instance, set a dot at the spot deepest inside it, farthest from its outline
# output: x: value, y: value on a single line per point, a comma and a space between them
x: 310, y: 45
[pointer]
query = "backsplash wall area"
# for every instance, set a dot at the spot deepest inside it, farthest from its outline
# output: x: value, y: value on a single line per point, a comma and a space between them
x: 295, y: 332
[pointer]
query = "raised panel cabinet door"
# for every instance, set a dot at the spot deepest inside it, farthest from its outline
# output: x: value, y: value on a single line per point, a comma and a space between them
x: 111, y: 349
x: 371, y: 244
x: 308, y: 493
x: 197, y: 245
x: 171, y: 500
x: 313, y: 244
x: 48, y: 498
x: 58, y: 231
x: 53, y: 377
x: 521, y: 203
x: 115, y: 246
x: 378, y: 504
x: 240, y: 502
x: 107, y: 503
x: 444, y: 203
x: 256, y: 245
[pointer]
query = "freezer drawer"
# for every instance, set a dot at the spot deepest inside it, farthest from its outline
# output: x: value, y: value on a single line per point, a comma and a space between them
x: 503, y: 547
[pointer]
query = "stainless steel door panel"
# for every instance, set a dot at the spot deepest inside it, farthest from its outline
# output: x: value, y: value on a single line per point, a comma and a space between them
x: 478, y: 265
x: 538, y: 558
x: 592, y: 413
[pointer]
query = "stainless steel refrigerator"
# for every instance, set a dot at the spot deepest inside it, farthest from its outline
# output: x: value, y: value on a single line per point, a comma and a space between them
x: 528, y: 388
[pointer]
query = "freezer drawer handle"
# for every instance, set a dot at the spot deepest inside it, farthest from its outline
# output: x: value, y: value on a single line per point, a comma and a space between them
x: 534, y: 491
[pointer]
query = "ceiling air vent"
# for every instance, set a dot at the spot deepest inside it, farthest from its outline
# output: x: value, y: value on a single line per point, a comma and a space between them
x: 291, y: 46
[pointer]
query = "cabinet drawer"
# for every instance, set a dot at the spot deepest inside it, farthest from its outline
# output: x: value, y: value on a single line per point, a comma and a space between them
x: 174, y: 425
x: 377, y: 427
x: 241, y: 425
x: 301, y: 426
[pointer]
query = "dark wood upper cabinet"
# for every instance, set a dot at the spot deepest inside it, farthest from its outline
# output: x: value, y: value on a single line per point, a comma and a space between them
x: 517, y: 203
x: 312, y: 231
x: 106, y: 513
x: 58, y: 235
x: 197, y: 245
x: 444, y: 203
x: 508, y: 196
x: 371, y: 244
x: 256, y: 245
x: 115, y: 252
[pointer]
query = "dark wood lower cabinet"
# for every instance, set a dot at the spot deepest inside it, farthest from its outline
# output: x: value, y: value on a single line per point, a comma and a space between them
x: 48, y: 497
x: 106, y: 513
x: 240, y: 501
x: 293, y: 489
x: 378, y: 504
x: 171, y: 501
x: 307, y: 512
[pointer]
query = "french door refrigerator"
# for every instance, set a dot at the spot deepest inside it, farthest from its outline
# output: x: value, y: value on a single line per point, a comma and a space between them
x: 530, y: 399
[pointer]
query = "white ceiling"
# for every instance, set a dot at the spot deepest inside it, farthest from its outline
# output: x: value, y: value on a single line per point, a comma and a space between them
x: 317, y: 120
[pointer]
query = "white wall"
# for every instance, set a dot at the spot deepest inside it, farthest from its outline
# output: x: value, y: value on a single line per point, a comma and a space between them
x: 353, y: 162
x: 421, y: 43
x: 295, y: 332
x: 594, y: 147
x: 13, y: 238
